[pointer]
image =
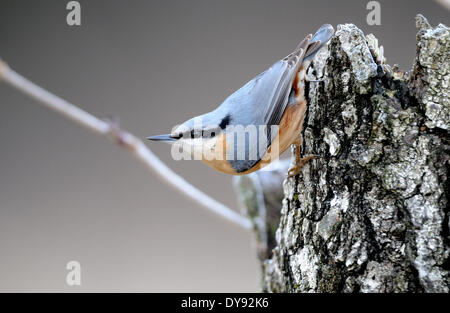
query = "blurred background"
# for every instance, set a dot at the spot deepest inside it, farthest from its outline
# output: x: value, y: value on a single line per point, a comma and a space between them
x: 66, y: 194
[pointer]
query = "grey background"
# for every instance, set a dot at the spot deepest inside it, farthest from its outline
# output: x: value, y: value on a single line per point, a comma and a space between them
x: 66, y: 194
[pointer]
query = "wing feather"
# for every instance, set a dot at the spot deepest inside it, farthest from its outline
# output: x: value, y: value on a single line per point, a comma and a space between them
x: 282, y: 75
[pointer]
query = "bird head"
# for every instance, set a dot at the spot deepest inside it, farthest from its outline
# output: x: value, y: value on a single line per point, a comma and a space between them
x: 198, y: 135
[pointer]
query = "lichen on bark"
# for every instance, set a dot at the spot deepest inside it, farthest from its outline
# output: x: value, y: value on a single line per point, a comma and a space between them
x: 370, y: 215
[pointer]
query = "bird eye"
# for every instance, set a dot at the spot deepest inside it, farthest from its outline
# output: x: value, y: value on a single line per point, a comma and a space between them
x: 177, y: 136
x: 210, y: 133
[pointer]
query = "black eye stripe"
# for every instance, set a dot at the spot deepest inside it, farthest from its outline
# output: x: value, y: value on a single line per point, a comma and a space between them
x: 225, y: 121
x: 210, y: 133
x: 204, y: 133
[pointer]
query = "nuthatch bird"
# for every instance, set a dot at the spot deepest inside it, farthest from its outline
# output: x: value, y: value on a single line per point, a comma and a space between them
x: 273, y: 100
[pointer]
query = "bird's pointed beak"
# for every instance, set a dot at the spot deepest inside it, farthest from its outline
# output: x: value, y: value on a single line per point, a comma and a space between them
x: 165, y: 137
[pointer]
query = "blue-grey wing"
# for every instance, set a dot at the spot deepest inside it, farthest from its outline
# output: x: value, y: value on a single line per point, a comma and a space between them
x: 270, y: 93
x: 263, y: 100
x: 274, y: 85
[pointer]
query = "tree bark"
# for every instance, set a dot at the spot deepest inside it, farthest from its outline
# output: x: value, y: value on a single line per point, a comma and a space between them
x: 372, y: 214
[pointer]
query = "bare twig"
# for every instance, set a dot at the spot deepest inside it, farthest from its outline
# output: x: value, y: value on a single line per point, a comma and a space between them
x: 124, y: 139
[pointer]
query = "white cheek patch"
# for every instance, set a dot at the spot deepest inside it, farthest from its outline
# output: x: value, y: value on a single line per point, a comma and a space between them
x: 194, y: 146
x: 198, y: 148
x: 212, y: 151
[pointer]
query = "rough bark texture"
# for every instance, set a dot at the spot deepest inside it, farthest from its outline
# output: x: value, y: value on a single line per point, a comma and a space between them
x: 372, y: 214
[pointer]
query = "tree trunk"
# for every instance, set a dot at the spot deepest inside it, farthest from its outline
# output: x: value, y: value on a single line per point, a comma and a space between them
x: 372, y: 214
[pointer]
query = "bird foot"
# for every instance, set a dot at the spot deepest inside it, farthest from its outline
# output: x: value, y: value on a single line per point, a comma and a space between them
x: 300, y: 162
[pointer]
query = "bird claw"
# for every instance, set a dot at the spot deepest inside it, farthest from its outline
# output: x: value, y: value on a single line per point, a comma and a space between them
x: 300, y: 162
x: 294, y: 171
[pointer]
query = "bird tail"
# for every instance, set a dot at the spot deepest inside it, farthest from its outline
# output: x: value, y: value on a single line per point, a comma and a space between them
x: 320, y: 38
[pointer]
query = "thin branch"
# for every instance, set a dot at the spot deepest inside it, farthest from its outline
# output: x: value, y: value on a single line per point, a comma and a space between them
x: 124, y: 139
